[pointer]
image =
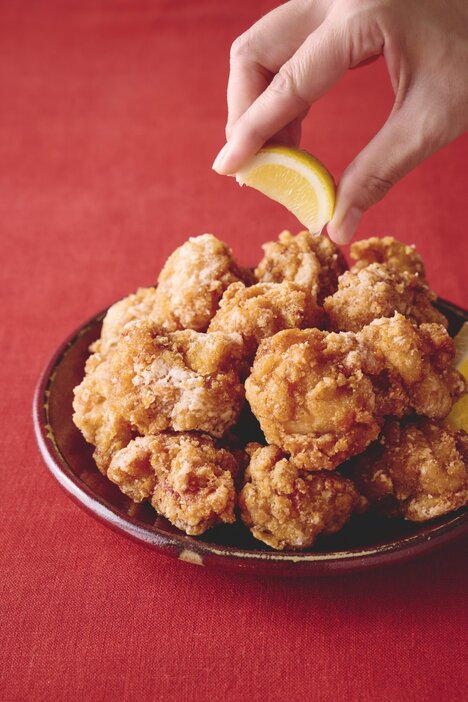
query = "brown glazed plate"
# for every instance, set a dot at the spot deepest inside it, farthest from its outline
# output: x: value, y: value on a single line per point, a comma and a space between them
x: 366, y: 542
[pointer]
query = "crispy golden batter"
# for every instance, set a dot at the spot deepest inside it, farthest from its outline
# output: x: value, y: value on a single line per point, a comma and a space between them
x: 158, y: 390
x: 387, y: 250
x: 411, y: 367
x: 192, y: 283
x: 101, y: 423
x: 136, y: 306
x: 264, y: 309
x: 288, y: 508
x: 188, y: 479
x: 185, y: 381
x: 311, y: 261
x: 379, y: 290
x: 311, y: 397
x: 417, y: 469
x: 321, y: 396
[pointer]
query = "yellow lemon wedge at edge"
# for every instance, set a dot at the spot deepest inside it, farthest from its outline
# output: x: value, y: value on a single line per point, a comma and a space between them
x: 296, y: 180
x: 458, y: 417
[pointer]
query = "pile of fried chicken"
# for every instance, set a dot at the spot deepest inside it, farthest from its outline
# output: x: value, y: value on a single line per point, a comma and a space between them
x: 348, y: 373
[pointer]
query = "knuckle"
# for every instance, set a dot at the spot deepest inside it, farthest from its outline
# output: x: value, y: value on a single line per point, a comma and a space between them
x: 356, y: 9
x: 241, y: 47
x: 350, y: 7
x: 360, y: 28
x: 347, y: 11
x: 285, y: 83
x: 378, y: 186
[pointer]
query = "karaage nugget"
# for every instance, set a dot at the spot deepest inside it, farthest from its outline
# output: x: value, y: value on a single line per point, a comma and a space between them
x: 264, y: 309
x: 188, y: 479
x: 192, y: 283
x: 322, y: 396
x: 184, y: 381
x: 387, y: 250
x: 311, y: 261
x: 136, y: 306
x: 379, y: 291
x: 418, y: 470
x: 288, y: 508
x: 311, y: 397
x: 410, y: 367
x: 100, y: 422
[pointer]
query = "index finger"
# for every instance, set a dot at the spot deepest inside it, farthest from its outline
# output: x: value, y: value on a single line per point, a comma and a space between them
x: 314, y: 68
x: 258, y: 54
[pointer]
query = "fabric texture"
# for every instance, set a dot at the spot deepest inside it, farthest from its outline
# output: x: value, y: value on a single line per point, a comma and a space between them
x: 111, y: 115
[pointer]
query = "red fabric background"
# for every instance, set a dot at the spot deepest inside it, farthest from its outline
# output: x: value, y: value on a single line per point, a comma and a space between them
x: 110, y: 117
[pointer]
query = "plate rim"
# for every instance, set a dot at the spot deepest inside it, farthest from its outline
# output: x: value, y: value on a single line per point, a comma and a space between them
x: 191, y: 549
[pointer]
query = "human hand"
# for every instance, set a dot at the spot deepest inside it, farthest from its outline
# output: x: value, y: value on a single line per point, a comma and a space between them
x: 293, y: 55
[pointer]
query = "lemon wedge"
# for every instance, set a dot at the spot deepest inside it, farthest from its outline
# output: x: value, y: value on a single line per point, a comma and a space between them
x: 458, y: 417
x: 296, y: 180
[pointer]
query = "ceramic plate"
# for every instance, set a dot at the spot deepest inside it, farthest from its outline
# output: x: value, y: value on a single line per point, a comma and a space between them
x: 367, y: 541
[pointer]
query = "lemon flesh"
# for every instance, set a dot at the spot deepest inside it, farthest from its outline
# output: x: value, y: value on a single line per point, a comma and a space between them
x: 458, y: 417
x: 296, y: 180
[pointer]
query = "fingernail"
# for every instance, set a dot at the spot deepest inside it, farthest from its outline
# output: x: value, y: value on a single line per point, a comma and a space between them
x: 342, y: 232
x: 218, y: 162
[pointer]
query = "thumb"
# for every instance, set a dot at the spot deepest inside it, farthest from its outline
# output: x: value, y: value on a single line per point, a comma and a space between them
x: 407, y: 138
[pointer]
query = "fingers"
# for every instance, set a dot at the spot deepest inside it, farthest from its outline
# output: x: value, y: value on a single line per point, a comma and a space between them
x: 259, y: 53
x: 315, y: 67
x: 247, y: 80
x: 409, y: 136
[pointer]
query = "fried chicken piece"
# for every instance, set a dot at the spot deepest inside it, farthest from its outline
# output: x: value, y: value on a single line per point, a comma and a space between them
x: 264, y: 309
x: 136, y: 306
x: 417, y: 469
x: 389, y: 251
x: 101, y: 423
x: 188, y: 479
x: 311, y: 397
x: 192, y: 283
x: 378, y: 290
x: 131, y: 469
x: 185, y: 381
x: 322, y: 396
x: 311, y: 261
x: 288, y: 508
x: 410, y: 367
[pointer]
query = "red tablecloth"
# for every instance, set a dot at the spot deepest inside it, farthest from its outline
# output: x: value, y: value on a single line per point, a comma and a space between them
x: 110, y: 116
